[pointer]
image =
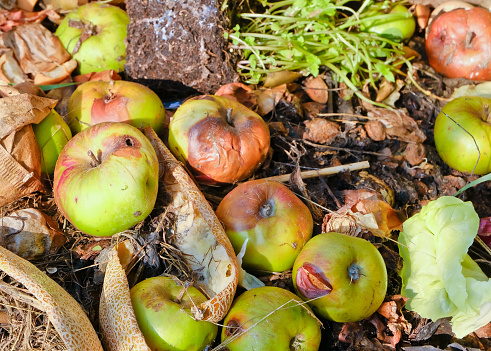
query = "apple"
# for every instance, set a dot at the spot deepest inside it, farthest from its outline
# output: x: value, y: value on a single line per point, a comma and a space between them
x: 163, y: 312
x: 221, y: 140
x: 270, y: 318
x: 399, y: 26
x: 458, y: 43
x: 343, y: 278
x: 454, y: 139
x: 52, y: 134
x: 275, y: 221
x: 106, y: 178
x: 94, y: 34
x: 115, y: 101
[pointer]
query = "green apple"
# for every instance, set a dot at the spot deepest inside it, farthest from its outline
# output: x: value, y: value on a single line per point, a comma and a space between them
x: 275, y: 221
x: 270, y: 318
x: 52, y: 134
x: 163, y: 312
x: 115, y: 101
x: 461, y: 124
x: 343, y: 278
x: 94, y: 34
x: 398, y: 25
x: 221, y: 140
x: 106, y: 178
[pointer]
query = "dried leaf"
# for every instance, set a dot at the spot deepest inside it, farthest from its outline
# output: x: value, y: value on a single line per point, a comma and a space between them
x: 56, y: 75
x: 316, y: 89
x: 482, y: 89
x: 10, y: 70
x: 11, y: 19
x: 415, y: 153
x: 107, y: 76
x: 36, y: 49
x: 397, y: 124
x: 66, y: 315
x: 268, y: 98
x: 375, y: 130
x: 385, y: 89
x: 320, y: 130
x: 422, y: 13
x: 275, y: 79
x: 65, y: 5
x: 20, y: 165
x: 30, y: 234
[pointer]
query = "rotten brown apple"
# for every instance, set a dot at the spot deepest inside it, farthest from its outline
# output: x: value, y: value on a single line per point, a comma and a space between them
x: 221, y: 140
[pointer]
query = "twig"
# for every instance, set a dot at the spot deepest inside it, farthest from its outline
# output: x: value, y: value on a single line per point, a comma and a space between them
x: 322, y: 172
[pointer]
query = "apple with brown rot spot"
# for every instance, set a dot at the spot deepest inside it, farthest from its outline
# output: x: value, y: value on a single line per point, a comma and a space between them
x: 343, y: 278
x: 275, y: 221
x: 221, y: 140
x: 163, y: 312
x: 106, y: 178
x: 115, y: 101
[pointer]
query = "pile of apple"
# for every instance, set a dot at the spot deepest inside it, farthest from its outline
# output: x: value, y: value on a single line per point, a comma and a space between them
x: 106, y: 180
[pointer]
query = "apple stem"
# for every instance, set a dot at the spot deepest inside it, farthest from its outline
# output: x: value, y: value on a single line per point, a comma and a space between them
x: 96, y: 159
x: 181, y: 294
x: 229, y: 116
x: 487, y: 113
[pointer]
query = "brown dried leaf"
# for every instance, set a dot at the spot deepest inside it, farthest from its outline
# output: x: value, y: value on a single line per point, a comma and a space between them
x: 385, y: 89
x: 415, y: 153
x: 320, y: 130
x: 317, y: 89
x: 65, y: 5
x: 20, y: 165
x: 397, y: 124
x: 66, y: 315
x: 107, y: 76
x: 276, y: 79
x: 375, y: 130
x: 11, y: 19
x: 56, y: 75
x: 10, y: 70
x: 268, y: 98
x: 30, y: 234
x: 422, y: 13
x: 312, y: 109
x: 36, y: 49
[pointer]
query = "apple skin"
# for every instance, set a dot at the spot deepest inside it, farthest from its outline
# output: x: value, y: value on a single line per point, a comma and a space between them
x: 458, y: 43
x: 276, y: 222
x: 454, y: 145
x: 52, y: 134
x: 111, y: 194
x: 291, y: 327
x: 106, y: 48
x: 221, y: 140
x: 166, y: 320
x: 115, y: 101
x: 401, y: 29
x: 343, y: 278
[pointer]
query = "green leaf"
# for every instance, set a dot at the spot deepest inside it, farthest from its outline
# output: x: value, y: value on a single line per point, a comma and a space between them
x: 385, y: 70
x: 438, y: 276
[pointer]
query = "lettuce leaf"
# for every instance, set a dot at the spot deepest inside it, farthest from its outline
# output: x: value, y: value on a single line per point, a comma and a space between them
x: 438, y: 276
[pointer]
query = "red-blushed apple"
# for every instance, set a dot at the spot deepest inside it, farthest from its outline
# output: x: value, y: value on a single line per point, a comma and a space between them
x: 458, y: 43
x: 163, y: 312
x: 276, y: 222
x: 270, y: 318
x: 94, y: 34
x: 52, y: 134
x: 220, y: 139
x: 343, y: 278
x: 115, y: 101
x: 106, y: 178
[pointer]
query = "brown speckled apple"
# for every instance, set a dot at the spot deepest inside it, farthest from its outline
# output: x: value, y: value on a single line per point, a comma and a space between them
x: 343, y: 278
x: 220, y: 139
x: 275, y: 221
x: 106, y: 178
x: 270, y: 318
x: 115, y: 101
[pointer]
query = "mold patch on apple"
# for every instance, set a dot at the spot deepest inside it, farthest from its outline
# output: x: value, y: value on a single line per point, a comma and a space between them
x: 311, y: 281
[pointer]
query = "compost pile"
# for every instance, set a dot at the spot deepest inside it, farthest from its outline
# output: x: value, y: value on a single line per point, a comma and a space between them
x: 333, y: 124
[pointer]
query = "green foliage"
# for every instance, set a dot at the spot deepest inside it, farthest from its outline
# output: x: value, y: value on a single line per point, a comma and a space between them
x: 439, y: 277
x: 304, y: 35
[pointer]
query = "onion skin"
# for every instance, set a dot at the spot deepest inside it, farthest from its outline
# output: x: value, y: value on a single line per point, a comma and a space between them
x: 458, y: 44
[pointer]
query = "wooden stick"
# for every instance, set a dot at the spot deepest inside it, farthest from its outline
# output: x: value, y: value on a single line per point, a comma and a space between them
x: 322, y: 172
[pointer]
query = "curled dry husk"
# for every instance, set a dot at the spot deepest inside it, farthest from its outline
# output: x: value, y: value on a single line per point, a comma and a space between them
x: 66, y: 315
x: 200, y: 237
x: 20, y: 157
